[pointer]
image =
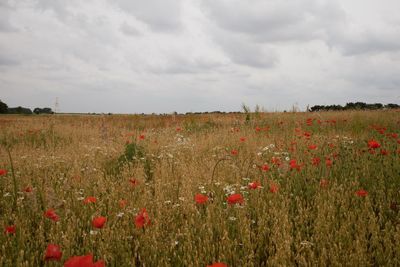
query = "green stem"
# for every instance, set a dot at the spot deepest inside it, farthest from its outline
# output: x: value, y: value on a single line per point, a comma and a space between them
x: 14, y: 179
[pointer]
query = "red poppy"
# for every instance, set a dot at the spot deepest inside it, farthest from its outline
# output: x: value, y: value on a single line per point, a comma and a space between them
x: 276, y: 161
x: 265, y: 167
x: 273, y: 188
x: 254, y: 185
x: 99, y: 222
x: 328, y: 162
x: 134, y: 182
x: 218, y: 264
x: 235, y: 199
x: 234, y: 152
x: 242, y: 139
x: 142, y: 219
x: 11, y: 229
x: 373, y: 144
x: 384, y: 152
x: 141, y: 137
x: 178, y: 129
x: 312, y: 147
x: 361, y: 193
x: 28, y: 189
x: 3, y: 172
x: 307, y: 135
x: 315, y: 161
x: 200, y: 198
x: 323, y: 183
x: 90, y: 199
x: 51, y: 214
x: 258, y: 129
x: 294, y: 165
x: 123, y: 203
x: 83, y: 261
x: 53, y: 252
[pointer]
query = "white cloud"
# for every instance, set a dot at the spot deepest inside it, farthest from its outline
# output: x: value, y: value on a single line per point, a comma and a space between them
x: 164, y: 56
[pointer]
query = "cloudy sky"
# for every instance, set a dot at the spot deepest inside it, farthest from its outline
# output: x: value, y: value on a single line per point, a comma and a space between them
x: 131, y: 56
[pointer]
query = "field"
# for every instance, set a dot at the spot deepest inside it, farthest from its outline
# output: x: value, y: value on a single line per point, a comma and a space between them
x: 275, y: 189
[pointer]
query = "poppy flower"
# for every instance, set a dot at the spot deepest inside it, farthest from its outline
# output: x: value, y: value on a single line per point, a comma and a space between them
x: 242, y: 139
x: 235, y: 199
x: 234, y: 152
x: 99, y: 222
x: 141, y: 137
x: 142, y: 219
x: 11, y: 229
x: 90, y: 199
x: 273, y: 188
x: 276, y: 161
x: 328, y: 162
x: 384, y: 152
x: 258, y: 129
x: 83, y: 261
x: 218, y: 264
x: 134, y: 182
x: 254, y: 185
x: 28, y: 189
x: 323, y: 183
x: 123, y: 203
x: 52, y: 215
x: 265, y: 167
x: 315, y: 161
x: 312, y: 147
x: 361, y: 193
x: 294, y: 165
x: 3, y: 172
x: 200, y: 198
x: 178, y: 129
x: 373, y: 144
x: 53, y: 252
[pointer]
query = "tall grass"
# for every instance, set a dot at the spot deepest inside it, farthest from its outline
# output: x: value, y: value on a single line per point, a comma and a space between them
x: 302, y: 214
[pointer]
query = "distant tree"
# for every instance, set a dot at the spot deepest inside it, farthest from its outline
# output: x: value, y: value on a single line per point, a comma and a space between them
x: 3, y: 107
x: 19, y: 110
x: 43, y: 111
x: 392, y: 106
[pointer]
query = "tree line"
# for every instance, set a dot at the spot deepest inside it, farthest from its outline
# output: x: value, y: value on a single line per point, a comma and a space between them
x: 353, y: 106
x: 4, y: 109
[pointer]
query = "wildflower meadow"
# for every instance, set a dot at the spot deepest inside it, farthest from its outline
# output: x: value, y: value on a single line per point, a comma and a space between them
x: 262, y: 189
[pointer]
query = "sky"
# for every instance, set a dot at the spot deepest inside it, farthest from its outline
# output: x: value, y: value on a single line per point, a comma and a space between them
x: 162, y: 56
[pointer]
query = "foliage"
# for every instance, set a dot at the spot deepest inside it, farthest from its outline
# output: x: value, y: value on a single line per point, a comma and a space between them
x: 43, y: 111
x: 3, y: 107
x: 354, y: 106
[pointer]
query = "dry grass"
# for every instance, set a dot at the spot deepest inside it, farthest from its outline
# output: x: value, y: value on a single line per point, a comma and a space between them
x: 65, y: 159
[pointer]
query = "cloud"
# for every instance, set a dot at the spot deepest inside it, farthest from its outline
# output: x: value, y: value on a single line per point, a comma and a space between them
x: 159, y: 15
x: 129, y: 30
x: 274, y: 21
x: 166, y: 55
x: 7, y: 60
x: 5, y: 24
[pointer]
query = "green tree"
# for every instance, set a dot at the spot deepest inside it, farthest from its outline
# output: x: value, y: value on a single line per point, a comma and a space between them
x: 3, y: 107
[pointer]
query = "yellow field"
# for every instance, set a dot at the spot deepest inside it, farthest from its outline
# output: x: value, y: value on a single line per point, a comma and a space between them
x: 316, y: 189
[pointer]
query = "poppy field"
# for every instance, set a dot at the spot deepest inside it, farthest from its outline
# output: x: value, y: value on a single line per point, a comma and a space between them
x: 266, y: 189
